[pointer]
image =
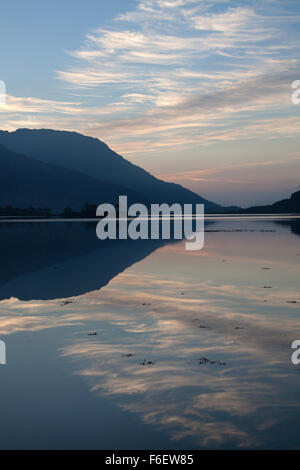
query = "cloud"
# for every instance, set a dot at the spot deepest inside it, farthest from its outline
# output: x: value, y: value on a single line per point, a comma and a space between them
x: 171, y: 74
x: 178, y: 121
x: 15, y: 104
x: 231, y: 21
x: 190, y: 67
x: 220, y: 173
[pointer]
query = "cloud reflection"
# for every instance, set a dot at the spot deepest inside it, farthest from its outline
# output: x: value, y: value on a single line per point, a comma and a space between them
x: 154, y: 326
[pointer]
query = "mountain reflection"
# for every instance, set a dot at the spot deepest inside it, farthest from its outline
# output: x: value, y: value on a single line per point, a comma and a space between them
x: 58, y: 260
x: 293, y: 224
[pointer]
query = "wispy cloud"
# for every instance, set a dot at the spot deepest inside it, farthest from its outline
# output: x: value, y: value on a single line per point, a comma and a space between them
x: 170, y: 74
x: 186, y: 65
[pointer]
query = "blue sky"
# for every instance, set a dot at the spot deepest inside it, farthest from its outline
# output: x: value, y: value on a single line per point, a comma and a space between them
x: 196, y: 91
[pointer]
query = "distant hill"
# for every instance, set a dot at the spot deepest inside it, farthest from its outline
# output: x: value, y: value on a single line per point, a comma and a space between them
x: 26, y: 182
x: 291, y: 205
x: 95, y: 159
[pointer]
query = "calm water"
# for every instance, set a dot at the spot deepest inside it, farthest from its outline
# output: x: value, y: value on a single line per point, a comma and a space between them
x: 143, y: 345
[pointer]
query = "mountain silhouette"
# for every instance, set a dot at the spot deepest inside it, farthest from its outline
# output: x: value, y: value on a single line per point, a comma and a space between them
x: 94, y: 159
x: 25, y: 181
x: 291, y: 205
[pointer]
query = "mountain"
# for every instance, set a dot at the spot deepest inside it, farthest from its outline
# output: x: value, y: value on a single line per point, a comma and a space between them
x: 290, y: 205
x: 25, y: 182
x: 93, y: 158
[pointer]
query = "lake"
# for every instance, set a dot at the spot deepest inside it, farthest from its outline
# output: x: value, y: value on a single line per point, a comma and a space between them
x: 144, y: 345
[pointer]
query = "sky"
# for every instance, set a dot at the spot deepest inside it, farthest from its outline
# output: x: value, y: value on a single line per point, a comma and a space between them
x: 198, y: 92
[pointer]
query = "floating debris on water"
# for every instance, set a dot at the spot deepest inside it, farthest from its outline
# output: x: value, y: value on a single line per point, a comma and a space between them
x: 147, y: 363
x: 205, y: 360
x: 67, y: 302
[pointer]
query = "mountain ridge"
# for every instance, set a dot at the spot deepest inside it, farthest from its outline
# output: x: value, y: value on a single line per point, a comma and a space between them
x: 92, y: 157
x: 25, y: 181
x: 289, y: 205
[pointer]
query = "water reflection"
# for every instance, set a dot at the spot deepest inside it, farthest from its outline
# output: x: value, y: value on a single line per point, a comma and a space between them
x: 58, y: 260
x: 197, y: 346
x: 293, y: 224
